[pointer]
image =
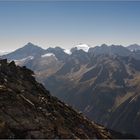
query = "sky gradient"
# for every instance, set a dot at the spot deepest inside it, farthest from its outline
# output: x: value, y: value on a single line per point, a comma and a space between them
x: 66, y: 24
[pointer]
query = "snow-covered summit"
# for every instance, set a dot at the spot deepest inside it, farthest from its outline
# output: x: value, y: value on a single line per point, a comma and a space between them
x: 67, y: 51
x: 83, y: 47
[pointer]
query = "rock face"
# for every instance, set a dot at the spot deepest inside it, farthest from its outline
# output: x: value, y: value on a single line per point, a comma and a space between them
x: 27, y: 110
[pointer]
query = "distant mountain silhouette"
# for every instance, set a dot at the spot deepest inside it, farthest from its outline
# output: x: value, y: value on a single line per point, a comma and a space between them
x: 110, y: 50
x: 28, y: 50
x: 134, y: 47
x: 59, y: 53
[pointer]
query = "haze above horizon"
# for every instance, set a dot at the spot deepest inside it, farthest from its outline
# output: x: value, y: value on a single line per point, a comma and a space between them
x: 66, y: 24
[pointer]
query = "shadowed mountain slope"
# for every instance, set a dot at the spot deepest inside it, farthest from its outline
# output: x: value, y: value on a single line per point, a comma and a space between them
x: 101, y: 89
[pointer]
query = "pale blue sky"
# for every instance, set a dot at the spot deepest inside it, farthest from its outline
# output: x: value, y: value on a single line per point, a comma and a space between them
x: 67, y: 24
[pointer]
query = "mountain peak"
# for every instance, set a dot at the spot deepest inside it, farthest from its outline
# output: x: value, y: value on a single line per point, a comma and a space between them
x: 28, y: 50
x: 31, y: 45
x: 104, y: 45
x: 133, y: 47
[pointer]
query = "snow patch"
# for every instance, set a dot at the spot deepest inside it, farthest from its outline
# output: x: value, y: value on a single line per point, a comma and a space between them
x: 47, y: 55
x: 67, y: 51
x: 83, y: 47
x: 24, y: 59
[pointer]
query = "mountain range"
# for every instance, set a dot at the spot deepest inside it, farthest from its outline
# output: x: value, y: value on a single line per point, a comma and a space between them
x: 28, y: 111
x: 102, y: 82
